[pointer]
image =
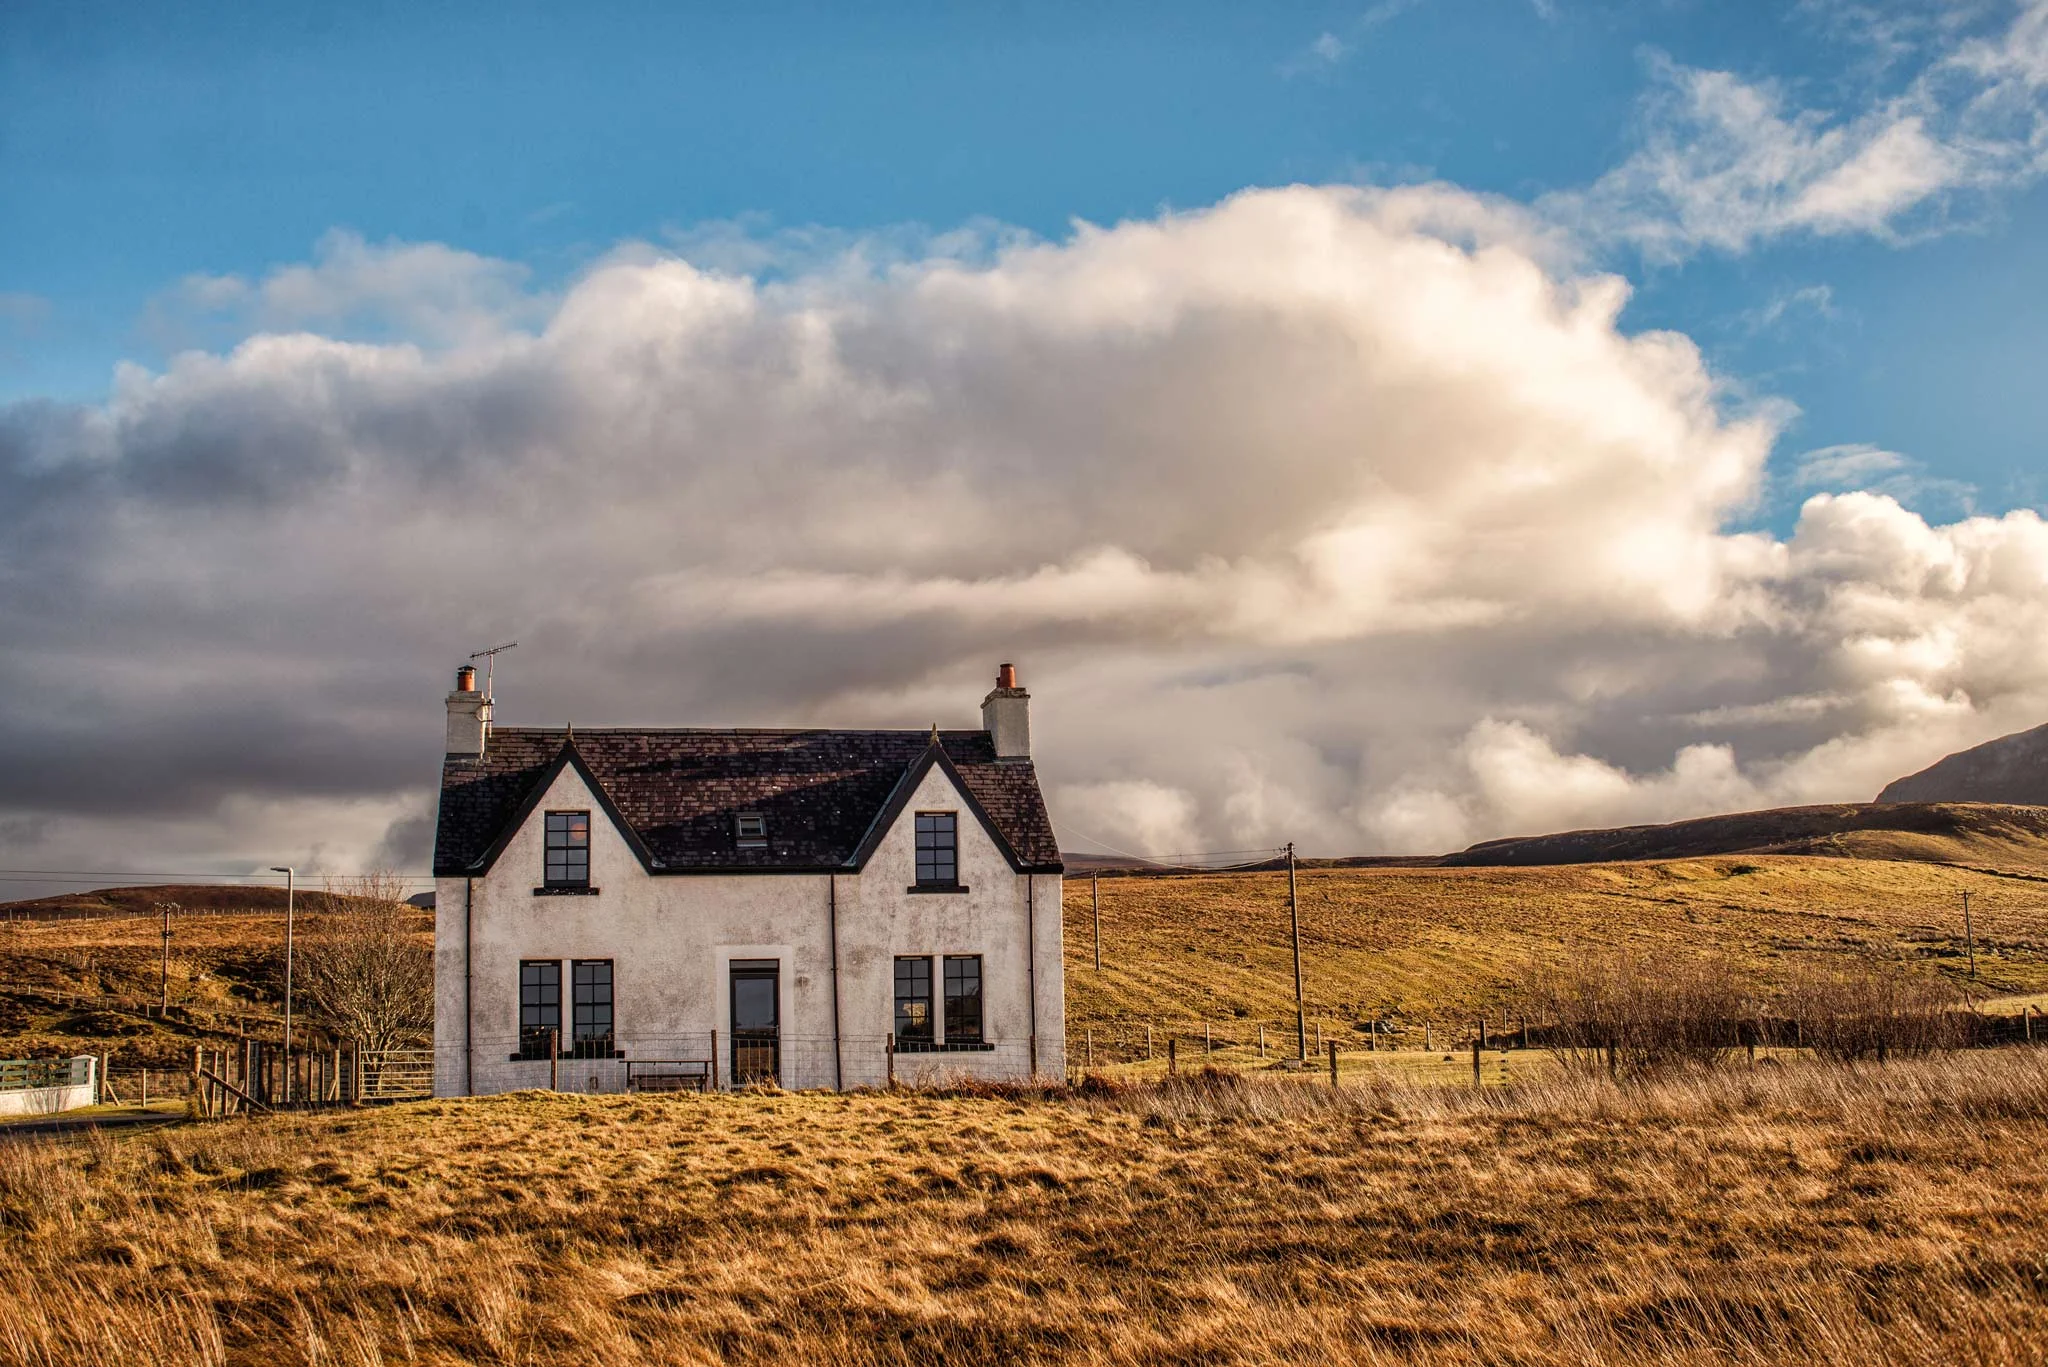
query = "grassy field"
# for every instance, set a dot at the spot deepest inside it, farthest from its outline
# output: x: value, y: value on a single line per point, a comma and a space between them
x: 1431, y: 947
x: 1414, y: 947
x: 1799, y: 1214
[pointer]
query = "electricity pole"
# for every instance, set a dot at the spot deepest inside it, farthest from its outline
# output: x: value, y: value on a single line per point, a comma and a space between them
x: 1095, y: 896
x: 1969, y: 937
x: 1294, y: 922
x: 164, y: 981
x: 289, y: 879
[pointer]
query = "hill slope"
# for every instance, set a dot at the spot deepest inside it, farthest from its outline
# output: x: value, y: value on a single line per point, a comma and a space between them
x: 2011, y: 769
x: 1412, y: 946
x: 1944, y: 832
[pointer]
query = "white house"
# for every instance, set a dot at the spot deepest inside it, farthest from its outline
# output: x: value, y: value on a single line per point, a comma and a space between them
x: 623, y: 908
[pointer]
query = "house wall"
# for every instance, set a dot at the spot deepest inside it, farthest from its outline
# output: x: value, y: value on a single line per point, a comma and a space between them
x: 671, y: 940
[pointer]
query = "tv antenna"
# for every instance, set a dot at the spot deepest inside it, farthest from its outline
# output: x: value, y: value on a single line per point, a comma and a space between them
x: 490, y: 659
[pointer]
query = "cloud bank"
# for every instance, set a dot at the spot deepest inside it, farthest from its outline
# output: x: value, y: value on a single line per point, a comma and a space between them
x: 1341, y: 516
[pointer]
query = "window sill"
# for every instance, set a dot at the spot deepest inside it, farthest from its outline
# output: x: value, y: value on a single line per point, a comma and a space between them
x: 952, y: 1047
x: 567, y: 1057
x: 566, y: 890
x: 936, y: 887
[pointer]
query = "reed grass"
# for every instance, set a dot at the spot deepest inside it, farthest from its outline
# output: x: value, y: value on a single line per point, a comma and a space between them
x: 1812, y: 1213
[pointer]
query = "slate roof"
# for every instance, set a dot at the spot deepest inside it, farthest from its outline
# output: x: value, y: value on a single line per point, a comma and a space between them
x: 676, y: 793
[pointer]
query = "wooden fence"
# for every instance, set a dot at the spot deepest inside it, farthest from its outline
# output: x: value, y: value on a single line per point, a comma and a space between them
x: 256, y: 1076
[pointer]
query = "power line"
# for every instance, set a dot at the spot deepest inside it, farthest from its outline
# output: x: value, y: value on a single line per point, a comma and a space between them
x: 1170, y: 861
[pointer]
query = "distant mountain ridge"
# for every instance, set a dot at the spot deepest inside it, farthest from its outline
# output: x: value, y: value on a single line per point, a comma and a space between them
x: 1939, y: 832
x: 2012, y: 769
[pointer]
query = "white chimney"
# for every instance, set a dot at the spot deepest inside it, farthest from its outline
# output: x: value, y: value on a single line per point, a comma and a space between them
x: 1006, y: 716
x: 469, y: 716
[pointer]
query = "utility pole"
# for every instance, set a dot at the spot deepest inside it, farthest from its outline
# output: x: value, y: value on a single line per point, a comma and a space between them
x: 1969, y: 937
x: 1095, y: 896
x: 1300, y: 1008
x: 290, y: 878
x: 164, y: 980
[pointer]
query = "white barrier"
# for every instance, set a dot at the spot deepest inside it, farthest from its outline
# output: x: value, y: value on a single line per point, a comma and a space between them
x: 47, y: 1086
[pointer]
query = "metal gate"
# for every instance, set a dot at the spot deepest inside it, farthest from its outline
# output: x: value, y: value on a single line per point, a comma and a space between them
x: 396, y: 1074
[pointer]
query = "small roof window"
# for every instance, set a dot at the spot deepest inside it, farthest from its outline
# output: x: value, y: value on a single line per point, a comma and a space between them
x: 751, y: 828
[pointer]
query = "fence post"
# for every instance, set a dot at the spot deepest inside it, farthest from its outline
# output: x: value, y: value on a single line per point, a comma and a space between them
x: 1482, y: 1032
x: 1262, y: 1041
x: 1091, y: 1047
x: 554, y: 1057
x: 1476, y: 1080
x: 889, y: 1049
x: 1172, y: 1063
x: 145, y: 1089
x: 1428, y: 1039
x: 1148, y: 1041
x: 355, y: 1085
x: 1333, y: 1063
x: 1208, y: 1042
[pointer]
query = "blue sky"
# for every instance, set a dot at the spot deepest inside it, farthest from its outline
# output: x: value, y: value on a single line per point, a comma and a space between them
x: 143, y: 144
x: 1380, y: 426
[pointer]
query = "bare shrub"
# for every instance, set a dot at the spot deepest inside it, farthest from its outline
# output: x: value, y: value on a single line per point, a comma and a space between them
x: 1630, y: 1016
x: 1870, y: 1008
x: 368, y: 971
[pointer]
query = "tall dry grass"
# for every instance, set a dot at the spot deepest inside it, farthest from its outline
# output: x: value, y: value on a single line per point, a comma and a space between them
x: 1850, y: 1215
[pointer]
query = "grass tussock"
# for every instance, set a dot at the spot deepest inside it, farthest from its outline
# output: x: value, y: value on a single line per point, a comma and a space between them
x: 1846, y: 1215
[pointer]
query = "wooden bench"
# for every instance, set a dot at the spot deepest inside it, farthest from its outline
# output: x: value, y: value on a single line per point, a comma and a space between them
x: 668, y: 1075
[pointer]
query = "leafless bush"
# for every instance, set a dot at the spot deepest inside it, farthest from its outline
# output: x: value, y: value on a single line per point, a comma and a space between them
x: 1866, y: 1008
x: 368, y: 971
x: 1622, y: 1013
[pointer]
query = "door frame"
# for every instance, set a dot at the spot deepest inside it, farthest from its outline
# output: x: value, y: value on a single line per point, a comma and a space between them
x: 721, y: 997
x: 756, y: 970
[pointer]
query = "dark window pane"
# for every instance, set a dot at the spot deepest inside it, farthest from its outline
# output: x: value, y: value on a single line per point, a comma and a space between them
x: 913, y: 1001
x: 568, y: 849
x: 936, y: 861
x: 540, y: 1004
x: 963, y: 999
x: 592, y: 1005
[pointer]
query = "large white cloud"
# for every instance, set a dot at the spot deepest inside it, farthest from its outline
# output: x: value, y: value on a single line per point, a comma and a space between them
x: 1340, y: 516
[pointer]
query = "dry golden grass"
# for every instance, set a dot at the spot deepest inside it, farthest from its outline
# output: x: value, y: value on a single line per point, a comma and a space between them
x: 1442, y: 945
x: 1785, y: 1215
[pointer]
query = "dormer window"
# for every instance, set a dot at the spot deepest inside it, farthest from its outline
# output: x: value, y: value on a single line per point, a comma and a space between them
x: 752, y: 830
x: 568, y: 850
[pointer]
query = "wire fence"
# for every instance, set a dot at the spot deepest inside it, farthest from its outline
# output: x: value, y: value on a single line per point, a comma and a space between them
x: 725, y: 1060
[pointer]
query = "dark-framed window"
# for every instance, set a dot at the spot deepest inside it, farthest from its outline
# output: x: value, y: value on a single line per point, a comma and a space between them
x: 540, y: 1005
x: 568, y: 863
x: 963, y: 999
x: 938, y: 862
x: 751, y: 830
x: 914, y: 1003
x: 591, y: 1007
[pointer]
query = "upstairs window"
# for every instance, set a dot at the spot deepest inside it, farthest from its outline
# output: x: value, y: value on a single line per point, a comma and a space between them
x: 914, y: 1003
x: 568, y: 850
x: 937, y: 850
x: 963, y: 999
x: 752, y: 830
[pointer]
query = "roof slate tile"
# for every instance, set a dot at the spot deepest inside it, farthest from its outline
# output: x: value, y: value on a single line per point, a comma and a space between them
x: 681, y: 790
